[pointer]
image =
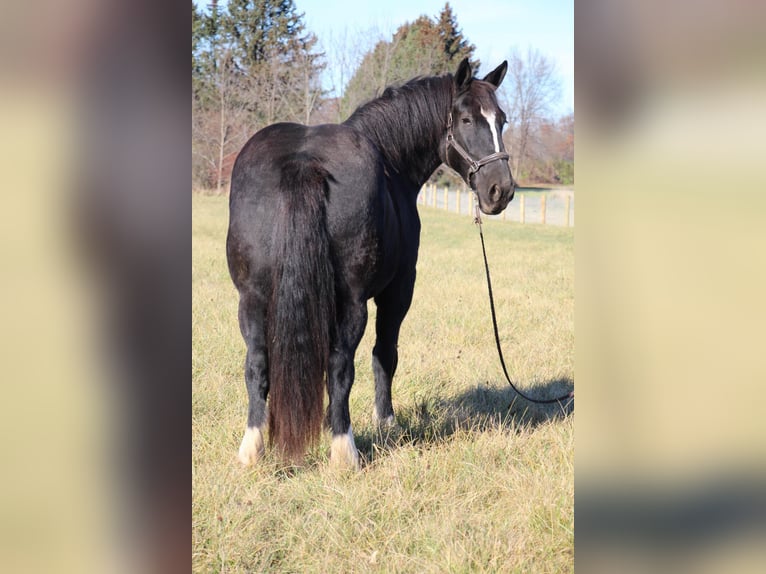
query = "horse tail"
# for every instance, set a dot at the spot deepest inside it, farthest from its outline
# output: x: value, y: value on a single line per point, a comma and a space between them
x: 301, y: 314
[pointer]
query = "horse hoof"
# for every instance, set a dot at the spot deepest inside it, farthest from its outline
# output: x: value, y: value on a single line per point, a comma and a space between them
x: 343, y: 452
x: 252, y: 447
x: 388, y: 422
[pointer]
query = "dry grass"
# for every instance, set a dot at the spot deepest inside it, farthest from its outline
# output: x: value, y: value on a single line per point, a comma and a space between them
x: 473, y: 480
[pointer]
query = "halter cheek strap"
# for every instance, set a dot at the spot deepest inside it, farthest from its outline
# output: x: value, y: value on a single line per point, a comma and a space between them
x: 473, y: 165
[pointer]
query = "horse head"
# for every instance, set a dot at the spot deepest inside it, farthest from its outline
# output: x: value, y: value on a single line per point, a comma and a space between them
x: 474, y: 138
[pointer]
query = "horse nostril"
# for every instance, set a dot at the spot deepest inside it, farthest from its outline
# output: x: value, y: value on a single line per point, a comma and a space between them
x: 494, y: 192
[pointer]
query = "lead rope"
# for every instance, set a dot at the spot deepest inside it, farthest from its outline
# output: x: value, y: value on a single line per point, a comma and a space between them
x: 558, y: 400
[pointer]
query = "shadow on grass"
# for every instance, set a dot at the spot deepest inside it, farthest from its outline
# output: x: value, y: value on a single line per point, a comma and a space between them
x: 479, y: 409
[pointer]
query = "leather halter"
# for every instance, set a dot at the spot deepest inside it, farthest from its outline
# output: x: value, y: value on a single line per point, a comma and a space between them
x: 473, y: 165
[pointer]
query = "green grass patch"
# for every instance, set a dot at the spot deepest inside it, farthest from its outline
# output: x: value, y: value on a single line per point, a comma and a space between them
x: 473, y: 479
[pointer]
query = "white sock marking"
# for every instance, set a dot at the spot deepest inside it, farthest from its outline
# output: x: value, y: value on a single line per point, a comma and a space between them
x: 490, y: 117
x: 252, y: 447
x: 343, y: 451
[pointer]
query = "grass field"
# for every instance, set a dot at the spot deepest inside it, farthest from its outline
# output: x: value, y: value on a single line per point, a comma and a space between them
x: 473, y: 479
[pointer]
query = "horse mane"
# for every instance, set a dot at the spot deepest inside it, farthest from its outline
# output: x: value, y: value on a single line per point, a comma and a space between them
x: 407, y: 122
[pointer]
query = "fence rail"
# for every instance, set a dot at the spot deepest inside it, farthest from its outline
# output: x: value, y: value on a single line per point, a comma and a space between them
x: 547, y: 207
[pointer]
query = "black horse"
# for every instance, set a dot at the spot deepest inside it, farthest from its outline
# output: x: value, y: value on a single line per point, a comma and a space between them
x: 323, y: 218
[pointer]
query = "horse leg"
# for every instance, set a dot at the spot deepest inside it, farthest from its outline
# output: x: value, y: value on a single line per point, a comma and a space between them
x: 251, y: 322
x: 393, y: 304
x: 351, y: 324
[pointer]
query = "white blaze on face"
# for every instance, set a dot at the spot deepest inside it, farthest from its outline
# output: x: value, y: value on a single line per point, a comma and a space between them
x: 490, y: 117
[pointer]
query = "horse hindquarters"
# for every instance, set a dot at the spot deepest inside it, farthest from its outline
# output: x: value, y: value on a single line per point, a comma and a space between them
x: 279, y: 257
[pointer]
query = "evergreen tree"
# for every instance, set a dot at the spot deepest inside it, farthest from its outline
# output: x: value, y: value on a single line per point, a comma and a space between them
x: 264, y: 29
x: 207, y: 44
x: 196, y: 36
x: 273, y: 54
x: 252, y: 64
x: 422, y: 48
x: 456, y: 47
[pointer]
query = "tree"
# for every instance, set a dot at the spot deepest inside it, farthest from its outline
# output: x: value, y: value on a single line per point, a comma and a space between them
x: 424, y: 47
x: 260, y: 29
x: 455, y: 46
x: 564, y: 150
x: 217, y: 129
x: 346, y: 52
x: 205, y: 37
x: 273, y: 52
x: 252, y: 64
x: 550, y: 154
x: 196, y: 36
x: 530, y: 89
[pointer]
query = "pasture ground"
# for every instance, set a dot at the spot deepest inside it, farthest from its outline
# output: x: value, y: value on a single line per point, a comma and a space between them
x: 473, y: 479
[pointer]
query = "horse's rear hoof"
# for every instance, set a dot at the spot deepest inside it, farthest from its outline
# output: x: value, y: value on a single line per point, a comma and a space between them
x: 343, y: 453
x: 252, y: 448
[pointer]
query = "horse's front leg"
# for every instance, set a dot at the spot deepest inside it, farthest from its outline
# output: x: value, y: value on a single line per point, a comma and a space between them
x: 352, y: 321
x: 393, y: 304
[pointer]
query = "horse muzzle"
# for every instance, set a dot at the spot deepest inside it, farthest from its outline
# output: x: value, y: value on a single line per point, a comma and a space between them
x: 496, y: 196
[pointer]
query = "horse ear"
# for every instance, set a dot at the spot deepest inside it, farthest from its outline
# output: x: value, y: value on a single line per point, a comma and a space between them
x: 495, y: 77
x: 464, y: 74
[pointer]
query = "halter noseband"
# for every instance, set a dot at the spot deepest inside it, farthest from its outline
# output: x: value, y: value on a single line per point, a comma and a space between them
x: 473, y: 165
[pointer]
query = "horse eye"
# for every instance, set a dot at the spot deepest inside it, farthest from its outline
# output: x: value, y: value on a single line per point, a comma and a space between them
x: 466, y: 120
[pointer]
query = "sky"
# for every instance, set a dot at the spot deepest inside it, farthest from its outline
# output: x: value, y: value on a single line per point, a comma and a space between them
x: 495, y: 27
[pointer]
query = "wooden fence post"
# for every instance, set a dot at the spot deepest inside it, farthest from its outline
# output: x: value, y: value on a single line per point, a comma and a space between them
x: 434, y: 191
x: 457, y: 200
x: 567, y: 210
x: 542, y: 208
x: 521, y: 208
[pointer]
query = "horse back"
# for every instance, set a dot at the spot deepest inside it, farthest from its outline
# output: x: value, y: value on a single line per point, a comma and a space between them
x: 363, y: 218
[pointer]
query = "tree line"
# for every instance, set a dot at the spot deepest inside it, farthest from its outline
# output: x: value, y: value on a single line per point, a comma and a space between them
x: 255, y: 63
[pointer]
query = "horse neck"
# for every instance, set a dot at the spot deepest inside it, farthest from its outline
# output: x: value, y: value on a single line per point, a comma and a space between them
x: 407, y: 124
